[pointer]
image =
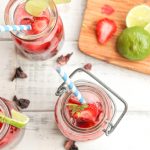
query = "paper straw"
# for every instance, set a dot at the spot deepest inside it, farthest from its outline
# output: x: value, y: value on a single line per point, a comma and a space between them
x: 71, y: 85
x: 7, y: 28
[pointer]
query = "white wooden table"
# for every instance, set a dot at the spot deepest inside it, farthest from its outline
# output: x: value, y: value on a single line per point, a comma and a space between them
x: 41, y: 133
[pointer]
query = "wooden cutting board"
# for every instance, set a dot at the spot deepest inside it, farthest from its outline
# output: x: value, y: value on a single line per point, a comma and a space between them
x: 88, y: 42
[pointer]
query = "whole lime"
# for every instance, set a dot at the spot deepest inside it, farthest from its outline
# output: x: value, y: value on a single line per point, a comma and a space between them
x: 134, y: 43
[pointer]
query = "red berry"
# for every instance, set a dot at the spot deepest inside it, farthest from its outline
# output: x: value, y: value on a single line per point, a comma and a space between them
x: 39, y: 24
x: 36, y: 48
x: 74, y: 100
x: 90, y: 113
x: 105, y: 29
x: 83, y: 123
x: 26, y: 21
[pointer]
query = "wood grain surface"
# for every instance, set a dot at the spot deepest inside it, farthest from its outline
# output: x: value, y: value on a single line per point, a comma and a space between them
x: 88, y: 43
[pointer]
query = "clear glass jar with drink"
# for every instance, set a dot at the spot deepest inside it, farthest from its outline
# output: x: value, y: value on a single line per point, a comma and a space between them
x: 9, y: 135
x: 80, y: 123
x: 45, y: 38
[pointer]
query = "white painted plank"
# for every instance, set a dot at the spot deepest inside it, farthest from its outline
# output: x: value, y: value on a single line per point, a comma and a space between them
x: 43, y: 81
x: 132, y: 133
x: 7, y: 65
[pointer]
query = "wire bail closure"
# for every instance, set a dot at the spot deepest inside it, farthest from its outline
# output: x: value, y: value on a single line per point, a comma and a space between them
x: 111, y: 126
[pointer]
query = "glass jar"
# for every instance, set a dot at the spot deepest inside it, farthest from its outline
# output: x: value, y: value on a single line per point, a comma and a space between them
x: 9, y: 135
x: 91, y: 93
x: 39, y: 46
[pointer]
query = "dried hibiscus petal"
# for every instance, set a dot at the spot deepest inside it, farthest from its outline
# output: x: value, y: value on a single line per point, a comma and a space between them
x: 70, y: 145
x: 62, y: 60
x: 88, y: 66
x: 74, y: 147
x: 22, y: 103
x: 19, y: 74
x: 107, y: 9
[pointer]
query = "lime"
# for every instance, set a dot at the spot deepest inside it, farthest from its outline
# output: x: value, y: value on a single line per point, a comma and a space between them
x: 36, y: 7
x: 147, y: 27
x: 61, y: 1
x: 138, y: 16
x: 18, y: 120
x: 134, y: 43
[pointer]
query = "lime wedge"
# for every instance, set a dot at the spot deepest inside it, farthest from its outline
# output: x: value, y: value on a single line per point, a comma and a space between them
x: 36, y: 7
x: 62, y: 1
x: 18, y: 120
x: 147, y: 27
x: 138, y: 16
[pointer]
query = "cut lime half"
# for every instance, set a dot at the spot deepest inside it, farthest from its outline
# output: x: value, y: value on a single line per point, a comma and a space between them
x: 147, y: 27
x: 18, y: 120
x: 134, y: 43
x: 138, y: 16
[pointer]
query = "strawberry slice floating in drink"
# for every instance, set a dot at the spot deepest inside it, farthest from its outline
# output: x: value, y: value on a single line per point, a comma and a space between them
x: 85, y: 115
x: 38, y: 24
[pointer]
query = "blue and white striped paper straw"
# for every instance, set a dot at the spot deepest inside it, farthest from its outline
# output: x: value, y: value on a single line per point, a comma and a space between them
x: 7, y: 28
x: 71, y: 85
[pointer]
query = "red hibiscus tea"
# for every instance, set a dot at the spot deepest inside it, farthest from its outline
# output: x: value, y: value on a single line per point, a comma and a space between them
x: 82, y: 122
x: 46, y: 36
x: 9, y: 135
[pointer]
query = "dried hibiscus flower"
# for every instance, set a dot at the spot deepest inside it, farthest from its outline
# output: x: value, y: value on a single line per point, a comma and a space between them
x: 107, y: 9
x: 62, y: 60
x: 88, y: 66
x: 22, y: 103
x: 19, y: 74
x: 70, y: 145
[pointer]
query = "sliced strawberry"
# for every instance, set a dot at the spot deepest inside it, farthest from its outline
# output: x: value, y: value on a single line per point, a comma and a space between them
x: 36, y: 48
x: 105, y: 29
x: 90, y: 113
x: 26, y: 21
x: 83, y: 123
x: 39, y: 24
x: 73, y: 100
x: 87, y: 117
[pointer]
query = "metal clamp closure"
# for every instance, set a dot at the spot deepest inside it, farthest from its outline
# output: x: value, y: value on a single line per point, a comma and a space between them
x: 111, y: 127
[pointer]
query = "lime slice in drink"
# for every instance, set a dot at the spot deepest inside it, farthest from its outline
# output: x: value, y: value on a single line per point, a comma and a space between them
x: 61, y: 1
x: 18, y: 120
x: 138, y: 16
x: 36, y: 7
x: 147, y: 27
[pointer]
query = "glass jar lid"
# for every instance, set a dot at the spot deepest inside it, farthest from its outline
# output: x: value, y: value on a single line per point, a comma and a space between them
x: 96, y: 96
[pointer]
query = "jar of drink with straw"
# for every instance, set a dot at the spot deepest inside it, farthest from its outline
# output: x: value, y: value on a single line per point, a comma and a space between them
x: 43, y: 32
x: 85, y: 110
x: 11, y: 124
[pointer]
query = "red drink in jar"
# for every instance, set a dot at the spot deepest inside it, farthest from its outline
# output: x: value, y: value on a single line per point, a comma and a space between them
x: 46, y: 36
x: 89, y: 123
x: 93, y: 118
x: 9, y: 135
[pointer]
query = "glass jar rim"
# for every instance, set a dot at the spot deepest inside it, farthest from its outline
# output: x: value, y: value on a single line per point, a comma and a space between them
x: 105, y: 98
x: 6, y: 111
x: 49, y: 28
